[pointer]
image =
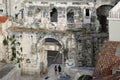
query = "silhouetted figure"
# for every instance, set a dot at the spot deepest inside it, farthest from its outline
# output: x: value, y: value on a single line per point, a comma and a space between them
x: 55, y: 69
x: 59, y: 68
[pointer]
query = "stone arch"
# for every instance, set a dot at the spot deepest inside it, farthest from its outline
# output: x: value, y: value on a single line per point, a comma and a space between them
x: 102, y: 4
x: 41, y: 53
x: 40, y: 40
x: 99, y: 3
x: 103, y: 13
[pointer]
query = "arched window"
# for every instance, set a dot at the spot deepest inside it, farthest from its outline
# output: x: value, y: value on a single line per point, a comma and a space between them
x: 70, y: 16
x: 54, y: 15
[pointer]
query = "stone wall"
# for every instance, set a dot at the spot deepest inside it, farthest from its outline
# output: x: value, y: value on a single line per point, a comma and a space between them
x: 35, y: 55
x: 79, y: 37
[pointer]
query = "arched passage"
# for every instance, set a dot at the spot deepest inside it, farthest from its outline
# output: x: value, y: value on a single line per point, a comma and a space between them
x: 49, y: 51
x: 102, y: 13
x: 53, y: 51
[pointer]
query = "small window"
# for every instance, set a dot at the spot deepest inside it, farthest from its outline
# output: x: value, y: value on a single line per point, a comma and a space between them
x: 87, y: 12
x: 54, y: 15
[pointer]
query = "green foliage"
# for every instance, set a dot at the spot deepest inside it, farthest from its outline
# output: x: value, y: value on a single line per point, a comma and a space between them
x: 5, y: 42
x: 13, y: 36
x: 12, y: 43
x: 13, y: 53
x: 21, y: 49
x: 18, y: 43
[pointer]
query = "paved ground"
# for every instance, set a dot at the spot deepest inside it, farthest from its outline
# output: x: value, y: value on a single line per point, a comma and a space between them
x: 5, y: 71
x: 50, y: 76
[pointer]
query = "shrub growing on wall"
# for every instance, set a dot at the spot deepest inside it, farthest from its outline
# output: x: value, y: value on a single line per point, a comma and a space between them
x: 14, y: 49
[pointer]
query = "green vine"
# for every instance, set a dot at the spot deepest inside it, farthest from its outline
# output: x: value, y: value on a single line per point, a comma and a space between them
x: 11, y: 43
x: 5, y: 42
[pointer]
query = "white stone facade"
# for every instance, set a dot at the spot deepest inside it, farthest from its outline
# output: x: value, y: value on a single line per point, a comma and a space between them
x: 114, y: 22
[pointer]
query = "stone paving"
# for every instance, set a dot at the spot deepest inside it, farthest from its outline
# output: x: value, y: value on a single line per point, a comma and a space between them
x: 5, y: 71
x: 50, y: 76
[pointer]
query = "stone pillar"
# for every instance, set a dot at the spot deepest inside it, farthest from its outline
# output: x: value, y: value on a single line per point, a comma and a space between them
x: 43, y: 61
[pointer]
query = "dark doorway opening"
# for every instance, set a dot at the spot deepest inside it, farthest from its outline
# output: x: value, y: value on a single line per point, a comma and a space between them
x: 104, y: 23
x: 54, y: 57
x: 103, y: 13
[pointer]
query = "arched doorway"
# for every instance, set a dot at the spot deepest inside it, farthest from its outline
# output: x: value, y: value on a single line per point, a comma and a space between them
x: 103, y: 13
x: 52, y: 47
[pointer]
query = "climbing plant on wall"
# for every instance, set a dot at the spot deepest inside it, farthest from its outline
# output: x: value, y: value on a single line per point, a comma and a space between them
x: 14, y: 49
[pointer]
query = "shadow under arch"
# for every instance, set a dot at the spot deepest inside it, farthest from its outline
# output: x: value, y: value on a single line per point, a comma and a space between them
x: 102, y: 14
x: 70, y: 15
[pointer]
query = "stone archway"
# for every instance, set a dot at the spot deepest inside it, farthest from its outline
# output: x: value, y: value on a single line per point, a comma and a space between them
x: 48, y: 55
x: 103, y: 13
x: 52, y: 47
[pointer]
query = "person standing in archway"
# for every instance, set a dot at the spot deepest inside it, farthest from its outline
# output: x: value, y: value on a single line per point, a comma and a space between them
x: 59, y: 69
x: 55, y: 69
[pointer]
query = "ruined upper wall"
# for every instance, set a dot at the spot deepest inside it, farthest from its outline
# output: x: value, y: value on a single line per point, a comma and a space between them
x: 66, y: 14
